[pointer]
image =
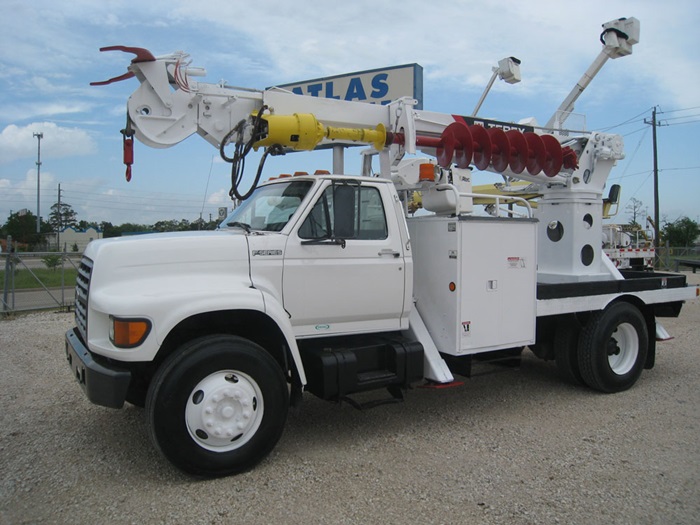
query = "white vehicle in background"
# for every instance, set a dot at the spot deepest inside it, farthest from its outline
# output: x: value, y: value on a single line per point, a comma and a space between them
x: 629, y: 247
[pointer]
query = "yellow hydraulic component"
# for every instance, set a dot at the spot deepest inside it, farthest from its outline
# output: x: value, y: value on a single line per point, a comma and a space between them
x: 415, y: 202
x: 493, y: 189
x: 376, y: 137
x: 303, y: 132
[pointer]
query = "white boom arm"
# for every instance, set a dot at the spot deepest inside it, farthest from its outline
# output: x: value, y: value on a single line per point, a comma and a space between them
x: 169, y: 106
x: 617, y: 38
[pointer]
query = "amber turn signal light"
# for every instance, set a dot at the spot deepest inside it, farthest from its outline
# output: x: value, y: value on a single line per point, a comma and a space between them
x: 128, y: 333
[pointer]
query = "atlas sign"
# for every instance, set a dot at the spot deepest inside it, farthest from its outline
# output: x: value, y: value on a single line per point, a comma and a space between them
x: 376, y: 86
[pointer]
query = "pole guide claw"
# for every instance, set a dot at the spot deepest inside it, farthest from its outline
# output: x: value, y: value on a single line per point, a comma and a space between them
x: 142, y: 55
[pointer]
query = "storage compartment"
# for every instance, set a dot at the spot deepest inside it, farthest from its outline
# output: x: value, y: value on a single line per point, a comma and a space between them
x: 491, y: 264
x: 336, y: 367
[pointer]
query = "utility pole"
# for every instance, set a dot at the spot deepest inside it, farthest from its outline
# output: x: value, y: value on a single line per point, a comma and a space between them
x: 39, y: 136
x: 654, y: 125
x: 60, y: 220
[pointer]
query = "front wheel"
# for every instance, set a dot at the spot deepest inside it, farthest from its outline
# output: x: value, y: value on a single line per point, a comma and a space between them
x: 613, y: 348
x: 217, y: 406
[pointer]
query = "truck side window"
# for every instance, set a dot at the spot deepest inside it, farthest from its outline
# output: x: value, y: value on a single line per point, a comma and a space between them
x: 346, y: 212
x: 372, y: 219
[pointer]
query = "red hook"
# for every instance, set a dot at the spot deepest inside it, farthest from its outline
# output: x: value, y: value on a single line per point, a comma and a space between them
x: 128, y: 143
x: 128, y: 155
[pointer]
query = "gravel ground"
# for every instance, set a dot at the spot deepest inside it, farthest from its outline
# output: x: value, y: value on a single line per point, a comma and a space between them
x: 515, y: 447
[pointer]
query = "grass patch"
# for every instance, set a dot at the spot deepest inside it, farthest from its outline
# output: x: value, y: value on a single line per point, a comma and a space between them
x: 50, y: 278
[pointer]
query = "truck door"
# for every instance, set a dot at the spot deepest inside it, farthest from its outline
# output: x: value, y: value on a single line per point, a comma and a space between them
x: 344, y: 268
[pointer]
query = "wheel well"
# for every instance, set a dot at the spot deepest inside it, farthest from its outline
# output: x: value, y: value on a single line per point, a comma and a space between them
x: 250, y: 324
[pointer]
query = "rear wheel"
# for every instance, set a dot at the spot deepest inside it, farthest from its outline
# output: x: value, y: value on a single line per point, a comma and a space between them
x: 217, y: 406
x: 613, y: 348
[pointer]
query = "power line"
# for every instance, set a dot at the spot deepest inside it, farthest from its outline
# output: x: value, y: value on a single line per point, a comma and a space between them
x: 636, y: 118
x: 623, y: 176
x: 677, y: 110
x: 680, y: 123
x: 681, y: 117
x: 681, y: 169
x: 635, y: 131
x: 137, y: 198
x: 641, y: 185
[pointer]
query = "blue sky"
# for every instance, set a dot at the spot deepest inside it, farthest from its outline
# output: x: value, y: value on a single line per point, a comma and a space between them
x: 49, y: 54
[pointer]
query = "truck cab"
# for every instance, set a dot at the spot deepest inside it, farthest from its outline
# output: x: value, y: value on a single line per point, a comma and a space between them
x: 334, y: 252
x: 312, y: 275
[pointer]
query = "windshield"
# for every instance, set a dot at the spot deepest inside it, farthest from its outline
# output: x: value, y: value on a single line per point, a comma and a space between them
x: 269, y: 208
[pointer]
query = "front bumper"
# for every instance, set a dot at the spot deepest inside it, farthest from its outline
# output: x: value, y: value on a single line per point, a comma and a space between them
x: 103, y: 383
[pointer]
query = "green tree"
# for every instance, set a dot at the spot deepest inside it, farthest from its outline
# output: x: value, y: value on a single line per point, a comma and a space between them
x: 109, y: 230
x: 62, y: 215
x: 681, y: 232
x: 22, y: 227
x: 52, y: 261
x: 84, y: 225
x: 131, y: 228
x: 168, y: 226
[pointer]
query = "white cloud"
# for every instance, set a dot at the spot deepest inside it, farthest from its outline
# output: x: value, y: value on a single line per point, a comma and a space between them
x: 219, y: 198
x: 22, y: 194
x: 32, y: 110
x: 19, y: 142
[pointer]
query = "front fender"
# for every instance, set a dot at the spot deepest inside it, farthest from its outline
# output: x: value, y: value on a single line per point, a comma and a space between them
x: 279, y: 315
x: 165, y: 303
x: 167, y: 309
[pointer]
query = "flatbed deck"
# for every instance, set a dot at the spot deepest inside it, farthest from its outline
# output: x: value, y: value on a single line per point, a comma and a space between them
x: 666, y: 291
x: 634, y: 281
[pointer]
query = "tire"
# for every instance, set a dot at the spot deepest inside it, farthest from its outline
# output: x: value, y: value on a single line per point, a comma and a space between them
x: 613, y: 348
x: 217, y: 406
x: 566, y: 336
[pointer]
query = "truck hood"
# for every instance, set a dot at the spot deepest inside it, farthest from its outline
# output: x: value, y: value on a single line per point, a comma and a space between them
x: 180, y: 256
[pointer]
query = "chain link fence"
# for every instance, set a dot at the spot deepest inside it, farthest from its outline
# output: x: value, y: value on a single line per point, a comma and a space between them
x: 667, y: 258
x: 37, y: 280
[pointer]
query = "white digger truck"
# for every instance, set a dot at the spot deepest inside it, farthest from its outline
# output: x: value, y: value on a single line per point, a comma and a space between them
x: 324, y: 283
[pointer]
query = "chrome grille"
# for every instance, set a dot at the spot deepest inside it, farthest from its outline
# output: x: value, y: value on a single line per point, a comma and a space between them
x: 82, y: 290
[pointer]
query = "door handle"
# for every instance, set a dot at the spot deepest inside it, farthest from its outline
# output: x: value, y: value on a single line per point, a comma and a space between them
x: 389, y: 251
